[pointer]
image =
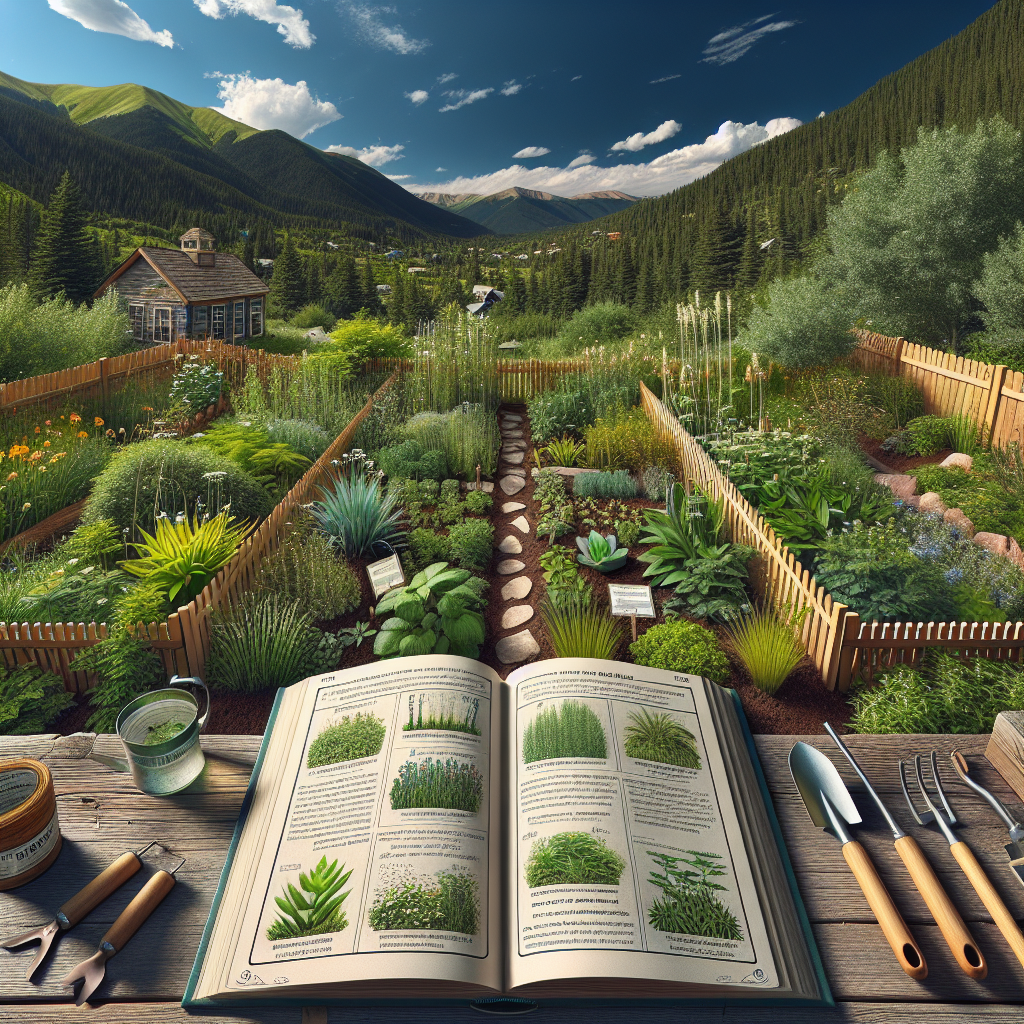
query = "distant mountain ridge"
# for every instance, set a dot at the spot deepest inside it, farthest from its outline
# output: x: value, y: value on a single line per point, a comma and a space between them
x: 515, y: 210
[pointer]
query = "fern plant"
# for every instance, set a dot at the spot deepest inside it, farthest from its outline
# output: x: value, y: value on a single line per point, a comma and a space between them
x: 317, y: 913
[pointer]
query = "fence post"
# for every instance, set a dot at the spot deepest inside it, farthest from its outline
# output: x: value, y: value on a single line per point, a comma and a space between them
x: 104, y: 379
x: 897, y: 356
x: 995, y: 396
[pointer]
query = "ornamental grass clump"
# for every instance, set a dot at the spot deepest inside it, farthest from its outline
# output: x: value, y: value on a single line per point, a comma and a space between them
x: 769, y: 647
x: 448, y: 901
x: 316, y: 910
x: 446, y: 710
x: 354, y: 513
x: 580, y: 626
x: 689, y: 905
x: 355, y: 736
x: 573, y: 858
x: 616, y: 484
x: 570, y: 729
x: 660, y: 737
x: 450, y: 784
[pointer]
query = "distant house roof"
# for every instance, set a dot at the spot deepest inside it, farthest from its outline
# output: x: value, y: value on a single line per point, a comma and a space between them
x: 491, y: 296
x: 228, y: 278
x: 201, y: 233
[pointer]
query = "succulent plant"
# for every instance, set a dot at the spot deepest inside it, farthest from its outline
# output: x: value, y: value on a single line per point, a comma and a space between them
x: 601, y: 553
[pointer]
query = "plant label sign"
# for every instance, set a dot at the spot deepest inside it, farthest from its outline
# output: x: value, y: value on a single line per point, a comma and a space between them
x: 631, y: 599
x: 385, y: 574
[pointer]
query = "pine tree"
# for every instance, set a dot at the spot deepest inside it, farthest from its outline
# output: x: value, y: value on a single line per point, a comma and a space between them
x: 288, y: 284
x: 514, y: 302
x: 64, y: 258
x: 749, y: 269
x: 371, y: 297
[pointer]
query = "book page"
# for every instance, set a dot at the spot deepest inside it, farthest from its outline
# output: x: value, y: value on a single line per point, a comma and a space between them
x: 389, y: 798
x: 628, y: 859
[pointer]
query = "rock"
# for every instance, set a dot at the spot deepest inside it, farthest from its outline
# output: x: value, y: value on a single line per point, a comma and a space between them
x: 513, y: 446
x: 512, y: 506
x: 486, y: 486
x: 914, y: 500
x: 510, y: 566
x: 510, y: 546
x: 959, y: 521
x: 957, y: 459
x: 514, y: 471
x: 512, y: 484
x: 931, y: 502
x: 511, y: 433
x: 511, y: 417
x: 517, y: 589
x: 900, y: 484
x: 514, y: 457
x: 1016, y: 555
x: 997, y: 543
x: 515, y: 648
x: 516, y: 616
x: 567, y: 472
x: 521, y: 524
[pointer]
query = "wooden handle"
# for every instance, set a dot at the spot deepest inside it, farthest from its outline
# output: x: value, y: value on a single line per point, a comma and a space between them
x: 89, y: 898
x: 947, y: 917
x: 895, y: 929
x: 992, y: 900
x: 132, y: 917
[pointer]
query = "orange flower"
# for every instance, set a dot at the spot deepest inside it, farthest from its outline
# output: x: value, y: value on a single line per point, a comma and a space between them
x: 47, y: 422
x: 38, y: 429
x: 147, y: 408
x: 75, y: 418
x: 35, y: 456
x: 46, y: 444
x: 97, y: 421
x: 56, y: 456
x: 83, y: 433
x: 12, y: 476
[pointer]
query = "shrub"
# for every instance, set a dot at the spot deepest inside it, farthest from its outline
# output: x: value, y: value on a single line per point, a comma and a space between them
x: 627, y: 441
x: 927, y: 435
x: 307, y: 438
x: 769, y: 647
x: 684, y: 647
x: 472, y: 543
x: 689, y: 904
x: 408, y: 459
x: 478, y: 502
x: 581, y: 627
x: 559, y: 414
x: 157, y: 476
x: 656, y: 480
x: 573, y: 858
x: 627, y: 532
x: 429, y: 490
x: 897, y: 396
x: 314, y: 315
x: 448, y: 901
x: 713, y: 584
x: 660, y: 737
x: 596, y: 325
x: 451, y: 784
x: 359, y: 735
x: 427, y: 547
x: 570, y: 729
x: 30, y: 699
x: 355, y: 514
x: 195, y: 386
x: 276, y: 466
x: 450, y: 491
x: 617, y: 484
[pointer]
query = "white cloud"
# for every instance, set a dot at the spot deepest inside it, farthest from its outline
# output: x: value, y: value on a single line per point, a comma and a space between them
x: 398, y: 177
x: 387, y: 37
x: 734, y: 42
x: 289, y: 21
x: 418, y: 96
x: 111, y: 16
x: 440, y: 170
x: 582, y: 160
x: 444, y: 79
x: 375, y: 156
x: 576, y: 78
x: 667, y: 78
x: 660, y: 175
x: 463, y: 98
x: 272, y: 103
x: 529, y: 151
x: 511, y: 88
x: 635, y: 143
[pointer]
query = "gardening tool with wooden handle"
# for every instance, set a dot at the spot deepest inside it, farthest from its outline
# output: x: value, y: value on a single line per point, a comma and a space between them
x: 963, y: 853
x: 829, y: 804
x: 947, y: 917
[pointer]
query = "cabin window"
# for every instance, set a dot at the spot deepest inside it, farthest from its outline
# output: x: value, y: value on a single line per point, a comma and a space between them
x: 239, y: 325
x: 218, y: 322
x: 137, y: 316
x: 200, y: 320
x: 255, y: 317
x: 162, y: 324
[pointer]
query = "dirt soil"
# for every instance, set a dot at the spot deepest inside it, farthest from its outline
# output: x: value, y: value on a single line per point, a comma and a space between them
x: 897, y: 463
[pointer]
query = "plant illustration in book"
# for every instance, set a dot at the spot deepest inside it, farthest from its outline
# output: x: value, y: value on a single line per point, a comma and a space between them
x: 450, y: 784
x: 445, y: 710
x: 573, y: 858
x: 355, y: 736
x: 315, y: 907
x: 446, y: 901
x: 660, y: 737
x: 690, y: 905
x: 568, y: 730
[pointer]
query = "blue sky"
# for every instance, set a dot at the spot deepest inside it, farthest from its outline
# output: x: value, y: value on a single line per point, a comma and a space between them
x: 453, y: 95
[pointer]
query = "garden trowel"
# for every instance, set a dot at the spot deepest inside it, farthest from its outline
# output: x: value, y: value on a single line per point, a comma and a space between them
x: 831, y: 808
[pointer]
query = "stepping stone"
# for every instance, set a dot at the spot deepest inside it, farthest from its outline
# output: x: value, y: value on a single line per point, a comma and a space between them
x: 510, y: 546
x: 517, y: 589
x: 516, y: 616
x: 486, y: 486
x: 521, y: 524
x: 511, y: 417
x: 512, y: 484
x: 516, y: 471
x: 511, y: 433
x: 514, y: 446
x: 517, y: 647
x: 510, y: 566
x: 514, y: 457
x: 512, y: 506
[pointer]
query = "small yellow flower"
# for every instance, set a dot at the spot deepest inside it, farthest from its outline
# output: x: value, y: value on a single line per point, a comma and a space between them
x: 83, y: 433
x: 26, y: 506
x: 46, y: 444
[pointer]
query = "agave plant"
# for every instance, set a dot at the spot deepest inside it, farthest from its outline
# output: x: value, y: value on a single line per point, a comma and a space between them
x: 317, y: 913
x: 601, y: 553
x: 355, y: 514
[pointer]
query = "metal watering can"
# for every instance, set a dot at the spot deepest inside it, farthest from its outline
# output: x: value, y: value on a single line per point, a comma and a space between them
x: 161, y: 758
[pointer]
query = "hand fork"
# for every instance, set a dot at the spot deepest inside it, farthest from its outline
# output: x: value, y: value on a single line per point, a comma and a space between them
x: 962, y: 852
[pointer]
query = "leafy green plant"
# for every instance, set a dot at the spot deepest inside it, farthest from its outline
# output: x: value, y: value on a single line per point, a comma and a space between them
x: 628, y: 533
x: 964, y: 433
x: 656, y: 481
x: 684, y: 532
x: 355, y: 514
x: 569, y: 729
x: 316, y: 910
x: 573, y: 858
x: 408, y: 459
x: 565, y: 452
x: 442, y: 712
x: 427, y: 547
x: 601, y: 553
x: 448, y: 901
x: 660, y: 737
x: 927, y: 435
x: 769, y: 646
x: 196, y: 386
x: 429, y: 490
x: 275, y: 465
x: 450, y: 491
x: 684, y: 647
x: 30, y: 699
x: 478, y: 502
x: 581, y: 627
x: 451, y: 785
x: 562, y: 575
x: 437, y: 613
x: 355, y: 635
x: 1008, y: 468
x: 629, y: 441
x: 472, y: 543
x: 615, y: 484
x: 715, y: 585
x: 355, y: 736
x: 689, y: 905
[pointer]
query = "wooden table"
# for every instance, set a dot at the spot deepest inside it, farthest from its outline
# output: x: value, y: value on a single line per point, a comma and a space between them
x: 102, y: 814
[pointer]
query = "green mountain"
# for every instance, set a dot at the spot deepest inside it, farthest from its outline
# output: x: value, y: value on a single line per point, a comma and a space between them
x: 143, y: 156
x: 518, y: 210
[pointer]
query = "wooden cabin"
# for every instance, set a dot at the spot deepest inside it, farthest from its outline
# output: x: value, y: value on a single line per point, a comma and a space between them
x: 191, y: 292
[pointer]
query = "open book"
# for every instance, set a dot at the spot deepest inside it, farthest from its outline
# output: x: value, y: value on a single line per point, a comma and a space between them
x: 419, y: 829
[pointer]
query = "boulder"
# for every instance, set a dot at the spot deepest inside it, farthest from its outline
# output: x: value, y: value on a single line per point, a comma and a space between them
x: 1016, y: 555
x: 900, y: 484
x: 931, y: 502
x: 957, y: 459
x: 959, y: 522
x: 997, y: 543
x: 518, y: 647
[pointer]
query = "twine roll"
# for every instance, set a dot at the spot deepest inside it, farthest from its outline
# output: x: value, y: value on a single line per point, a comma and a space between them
x: 30, y: 836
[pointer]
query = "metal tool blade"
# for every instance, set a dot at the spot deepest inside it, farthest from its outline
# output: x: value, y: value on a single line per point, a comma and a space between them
x: 45, y: 935
x: 824, y: 793
x: 91, y: 970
